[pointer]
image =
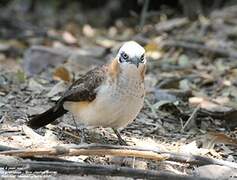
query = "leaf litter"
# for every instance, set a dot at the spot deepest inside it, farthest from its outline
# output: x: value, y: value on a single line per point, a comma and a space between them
x: 191, y: 96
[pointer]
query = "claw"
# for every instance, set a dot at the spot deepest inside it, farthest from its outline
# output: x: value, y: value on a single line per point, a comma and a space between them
x: 120, y: 139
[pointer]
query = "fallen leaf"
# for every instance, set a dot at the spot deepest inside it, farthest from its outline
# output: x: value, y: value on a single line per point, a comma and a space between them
x: 208, y: 105
x: 192, y: 148
x: 222, y: 138
x: 61, y: 73
x: 107, y: 43
x: 151, y: 47
x: 38, y: 140
x: 88, y: 31
x: 69, y: 38
x: 215, y: 172
x: 153, y: 51
x: 31, y: 134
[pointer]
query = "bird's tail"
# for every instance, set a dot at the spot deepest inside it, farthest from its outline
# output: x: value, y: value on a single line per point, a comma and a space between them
x: 47, y: 117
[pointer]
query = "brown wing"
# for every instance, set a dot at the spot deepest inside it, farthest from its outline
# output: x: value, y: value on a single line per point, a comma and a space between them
x: 84, y: 89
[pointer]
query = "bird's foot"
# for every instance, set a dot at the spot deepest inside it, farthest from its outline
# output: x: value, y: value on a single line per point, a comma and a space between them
x: 81, y: 132
x: 120, y: 139
x: 82, y: 135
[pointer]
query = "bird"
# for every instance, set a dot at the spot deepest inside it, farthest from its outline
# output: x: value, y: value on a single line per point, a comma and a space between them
x: 110, y: 95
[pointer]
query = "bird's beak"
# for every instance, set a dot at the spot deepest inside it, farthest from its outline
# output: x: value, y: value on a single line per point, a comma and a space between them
x: 135, y: 61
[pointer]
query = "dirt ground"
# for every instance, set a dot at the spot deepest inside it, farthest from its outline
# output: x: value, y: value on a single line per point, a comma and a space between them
x: 191, y: 88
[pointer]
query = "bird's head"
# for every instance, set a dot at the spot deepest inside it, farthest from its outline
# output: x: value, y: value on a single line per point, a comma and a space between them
x: 130, y: 61
x: 131, y: 53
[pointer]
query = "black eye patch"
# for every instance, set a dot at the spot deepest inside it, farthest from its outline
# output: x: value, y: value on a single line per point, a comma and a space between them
x: 120, y: 59
x: 142, y: 58
x: 124, y: 56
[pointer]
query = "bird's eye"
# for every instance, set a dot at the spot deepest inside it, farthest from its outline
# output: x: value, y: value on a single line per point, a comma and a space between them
x: 142, y: 58
x: 125, y: 56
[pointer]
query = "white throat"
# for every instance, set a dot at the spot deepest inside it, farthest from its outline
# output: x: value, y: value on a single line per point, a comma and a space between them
x: 130, y: 70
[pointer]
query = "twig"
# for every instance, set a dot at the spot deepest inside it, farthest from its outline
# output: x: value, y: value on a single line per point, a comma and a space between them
x: 59, y: 151
x: 72, y: 135
x: 9, y: 131
x: 86, y: 169
x: 152, y: 108
x: 154, y: 114
x: 191, y: 119
x: 144, y: 13
x: 202, y: 48
x: 171, y: 24
x: 6, y: 148
x: 100, y: 149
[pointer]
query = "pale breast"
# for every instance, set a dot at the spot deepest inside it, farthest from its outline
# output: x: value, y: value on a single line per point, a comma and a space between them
x: 116, y: 104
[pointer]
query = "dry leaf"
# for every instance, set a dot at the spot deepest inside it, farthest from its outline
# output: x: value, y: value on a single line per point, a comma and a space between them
x: 208, y: 105
x: 31, y: 134
x: 213, y: 138
x: 107, y: 43
x: 88, y: 31
x: 61, y: 73
x: 152, y: 50
x: 38, y: 140
x: 215, y: 172
x: 222, y: 138
x: 69, y: 38
x: 151, y: 47
x: 192, y: 148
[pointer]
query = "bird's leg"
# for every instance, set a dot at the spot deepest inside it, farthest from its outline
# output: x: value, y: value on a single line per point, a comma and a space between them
x: 120, y: 139
x: 83, y: 136
x: 80, y: 131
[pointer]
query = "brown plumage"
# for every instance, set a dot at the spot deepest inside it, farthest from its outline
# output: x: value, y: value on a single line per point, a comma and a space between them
x: 109, y: 96
x: 82, y: 89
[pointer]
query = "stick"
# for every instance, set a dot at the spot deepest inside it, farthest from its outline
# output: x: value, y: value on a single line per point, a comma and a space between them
x: 100, y: 149
x: 191, y: 119
x: 144, y: 13
x: 86, y: 169
x: 171, y: 24
x: 108, y: 170
x: 202, y: 48
x: 154, y: 114
x: 61, y: 151
x: 6, y: 148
